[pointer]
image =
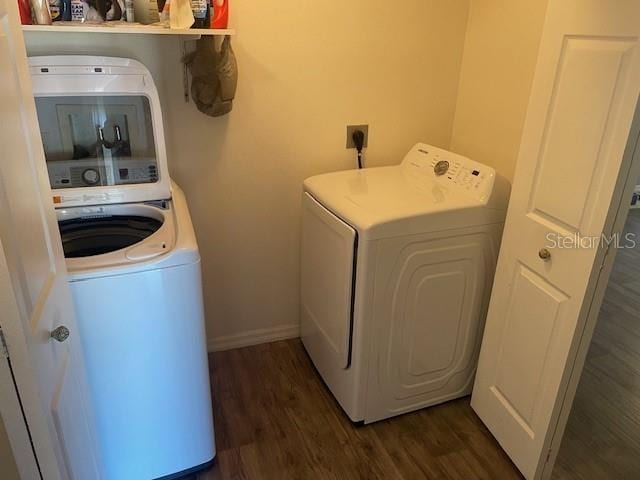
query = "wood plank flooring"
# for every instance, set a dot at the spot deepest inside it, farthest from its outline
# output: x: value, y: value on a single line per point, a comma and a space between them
x: 602, y: 440
x: 275, y: 419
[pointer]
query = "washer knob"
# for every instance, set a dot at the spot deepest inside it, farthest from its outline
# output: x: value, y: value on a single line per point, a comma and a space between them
x: 91, y: 176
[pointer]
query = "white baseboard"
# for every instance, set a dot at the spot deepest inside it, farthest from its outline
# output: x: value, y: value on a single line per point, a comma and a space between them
x: 253, y: 337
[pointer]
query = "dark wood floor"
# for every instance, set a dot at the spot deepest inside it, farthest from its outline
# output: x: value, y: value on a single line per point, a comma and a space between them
x: 275, y: 419
x: 602, y: 440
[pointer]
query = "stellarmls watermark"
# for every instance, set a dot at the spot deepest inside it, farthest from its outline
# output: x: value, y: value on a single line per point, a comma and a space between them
x: 626, y: 240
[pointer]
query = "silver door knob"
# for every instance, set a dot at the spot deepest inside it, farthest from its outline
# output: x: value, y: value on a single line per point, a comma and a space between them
x: 544, y: 254
x: 60, y: 334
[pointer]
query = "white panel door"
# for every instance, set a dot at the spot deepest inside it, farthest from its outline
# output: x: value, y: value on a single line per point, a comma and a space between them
x: 580, y: 113
x: 49, y: 373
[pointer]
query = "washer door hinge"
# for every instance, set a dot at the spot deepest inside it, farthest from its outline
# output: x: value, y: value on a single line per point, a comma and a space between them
x: 4, y: 350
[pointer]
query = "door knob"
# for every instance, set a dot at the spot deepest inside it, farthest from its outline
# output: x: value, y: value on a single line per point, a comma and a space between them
x: 60, y: 334
x: 544, y: 254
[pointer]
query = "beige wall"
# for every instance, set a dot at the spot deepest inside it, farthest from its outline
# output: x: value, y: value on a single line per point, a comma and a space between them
x: 8, y: 468
x: 307, y: 69
x: 497, y: 72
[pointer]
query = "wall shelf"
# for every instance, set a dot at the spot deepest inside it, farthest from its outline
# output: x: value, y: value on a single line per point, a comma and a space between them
x: 124, y: 27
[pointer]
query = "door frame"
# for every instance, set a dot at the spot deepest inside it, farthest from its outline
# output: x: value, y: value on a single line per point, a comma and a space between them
x: 628, y: 176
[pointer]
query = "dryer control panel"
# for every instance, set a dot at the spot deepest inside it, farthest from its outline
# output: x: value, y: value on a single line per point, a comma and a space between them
x: 450, y: 169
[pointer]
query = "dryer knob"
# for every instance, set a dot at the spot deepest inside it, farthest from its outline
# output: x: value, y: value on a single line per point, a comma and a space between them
x: 441, y: 168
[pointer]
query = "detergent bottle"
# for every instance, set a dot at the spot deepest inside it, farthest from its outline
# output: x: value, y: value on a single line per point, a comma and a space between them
x: 25, y: 12
x: 220, y: 14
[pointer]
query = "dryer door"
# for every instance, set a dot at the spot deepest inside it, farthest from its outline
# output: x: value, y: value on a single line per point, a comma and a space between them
x: 328, y: 255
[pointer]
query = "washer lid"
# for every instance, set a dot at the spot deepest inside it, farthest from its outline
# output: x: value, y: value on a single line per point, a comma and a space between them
x: 431, y: 190
x: 102, y: 130
x: 147, y: 234
x: 173, y: 244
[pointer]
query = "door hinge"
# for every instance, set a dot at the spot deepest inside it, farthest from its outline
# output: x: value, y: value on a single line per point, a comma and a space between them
x: 4, y: 350
x: 548, y: 456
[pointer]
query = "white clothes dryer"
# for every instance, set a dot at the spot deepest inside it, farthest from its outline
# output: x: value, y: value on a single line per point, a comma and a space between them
x: 397, y: 268
x: 133, y: 262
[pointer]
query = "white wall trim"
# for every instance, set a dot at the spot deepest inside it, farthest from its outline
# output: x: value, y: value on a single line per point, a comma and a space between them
x: 253, y: 337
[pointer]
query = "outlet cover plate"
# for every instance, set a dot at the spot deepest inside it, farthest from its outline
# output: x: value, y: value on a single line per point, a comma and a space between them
x: 353, y: 128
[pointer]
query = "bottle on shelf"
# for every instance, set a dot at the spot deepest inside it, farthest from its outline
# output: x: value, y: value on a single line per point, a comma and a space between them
x: 164, y: 6
x: 25, y: 12
x: 200, y: 9
x: 40, y: 12
x: 65, y: 13
x: 220, y: 14
x: 129, y: 14
x: 54, y: 10
x: 77, y: 10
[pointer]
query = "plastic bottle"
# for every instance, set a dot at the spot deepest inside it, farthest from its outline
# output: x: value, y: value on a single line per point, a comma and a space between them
x: 55, y: 10
x: 165, y: 12
x: 200, y: 9
x: 220, y: 15
x: 128, y: 11
x: 77, y: 10
x: 66, y: 11
x: 25, y: 12
x: 40, y: 12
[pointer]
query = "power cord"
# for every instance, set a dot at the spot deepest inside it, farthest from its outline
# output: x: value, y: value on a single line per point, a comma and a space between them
x: 358, y: 140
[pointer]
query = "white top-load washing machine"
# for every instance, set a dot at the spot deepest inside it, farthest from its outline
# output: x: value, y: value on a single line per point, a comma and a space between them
x: 397, y: 268
x: 133, y: 262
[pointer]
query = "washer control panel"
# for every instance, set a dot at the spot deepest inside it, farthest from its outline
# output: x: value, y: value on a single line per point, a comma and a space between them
x: 451, y: 169
x: 90, y: 173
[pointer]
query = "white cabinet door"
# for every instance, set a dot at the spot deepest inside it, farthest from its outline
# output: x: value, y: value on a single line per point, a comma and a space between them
x: 580, y: 113
x: 50, y: 374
